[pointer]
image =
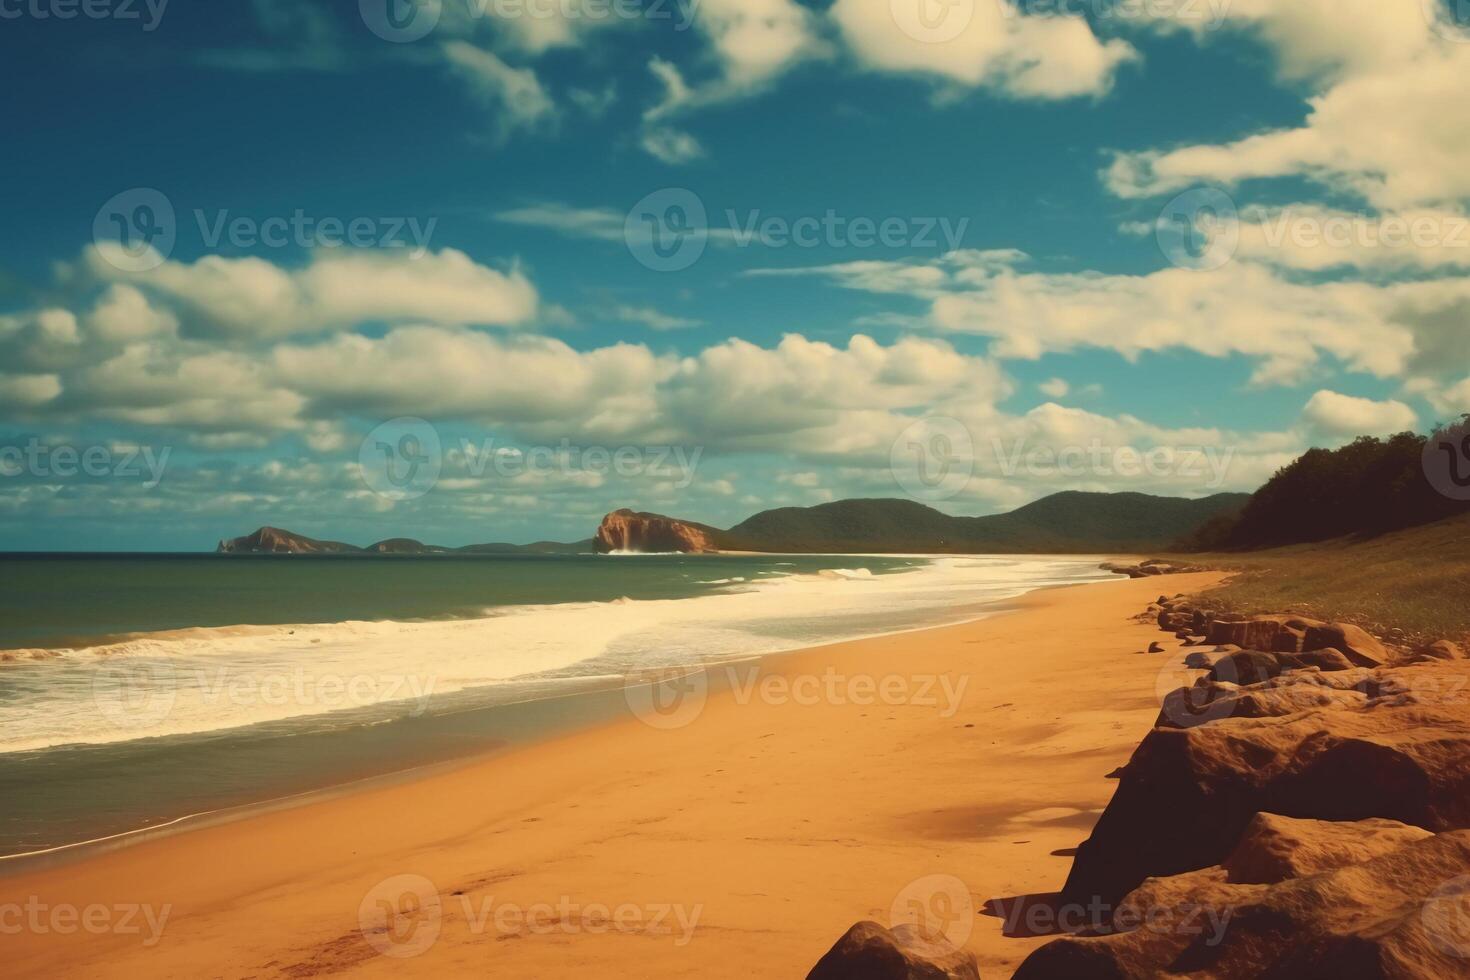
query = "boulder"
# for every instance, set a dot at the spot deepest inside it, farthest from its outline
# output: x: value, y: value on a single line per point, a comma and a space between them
x: 1442, y: 650
x: 1392, y: 744
x: 1155, y: 648
x: 868, y: 951
x: 1353, y: 641
x: 1275, y: 848
x: 1379, y: 905
x: 1255, y: 666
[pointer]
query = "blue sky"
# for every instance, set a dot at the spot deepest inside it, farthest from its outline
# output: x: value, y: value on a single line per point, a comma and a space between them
x: 1034, y: 298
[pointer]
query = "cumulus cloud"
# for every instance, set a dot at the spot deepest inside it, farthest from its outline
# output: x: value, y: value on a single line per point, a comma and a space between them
x: 984, y: 44
x: 250, y: 296
x: 1340, y: 415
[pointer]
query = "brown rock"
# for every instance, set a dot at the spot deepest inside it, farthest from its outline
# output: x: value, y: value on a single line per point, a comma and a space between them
x: 1399, y: 914
x: 1397, y: 746
x: 1355, y: 642
x: 1442, y: 650
x: 625, y: 530
x: 1275, y: 848
x: 870, y: 952
x: 1155, y: 648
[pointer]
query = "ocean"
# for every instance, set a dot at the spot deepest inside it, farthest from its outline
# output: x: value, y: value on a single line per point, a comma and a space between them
x: 139, y: 690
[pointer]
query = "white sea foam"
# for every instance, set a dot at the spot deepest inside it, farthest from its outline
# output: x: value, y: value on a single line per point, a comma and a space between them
x: 204, y: 680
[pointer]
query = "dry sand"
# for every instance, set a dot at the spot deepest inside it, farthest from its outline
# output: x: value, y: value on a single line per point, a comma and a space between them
x: 740, y: 845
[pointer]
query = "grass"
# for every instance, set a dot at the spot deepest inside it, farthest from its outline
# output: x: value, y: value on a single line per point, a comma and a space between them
x: 1412, y: 586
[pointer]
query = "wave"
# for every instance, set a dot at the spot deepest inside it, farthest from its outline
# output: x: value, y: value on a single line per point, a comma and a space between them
x: 211, y: 679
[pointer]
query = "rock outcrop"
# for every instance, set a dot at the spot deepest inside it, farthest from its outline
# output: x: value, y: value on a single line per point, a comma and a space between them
x: 1327, y: 902
x: 868, y: 951
x: 626, y: 530
x: 1396, y: 745
x: 274, y: 541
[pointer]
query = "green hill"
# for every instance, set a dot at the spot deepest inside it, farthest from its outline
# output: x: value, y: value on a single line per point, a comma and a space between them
x: 1063, y: 522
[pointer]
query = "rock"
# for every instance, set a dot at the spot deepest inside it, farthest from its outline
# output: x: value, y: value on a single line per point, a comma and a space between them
x: 1442, y: 650
x: 1174, y: 622
x: 1399, y: 914
x: 1155, y: 648
x: 624, y: 530
x: 1392, y: 744
x: 1281, y: 634
x: 1255, y: 666
x: 1355, y: 642
x: 1275, y: 848
x: 870, y: 952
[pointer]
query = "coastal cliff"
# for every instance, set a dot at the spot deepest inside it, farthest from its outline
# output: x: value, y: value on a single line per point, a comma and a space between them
x: 274, y: 541
x: 626, y: 530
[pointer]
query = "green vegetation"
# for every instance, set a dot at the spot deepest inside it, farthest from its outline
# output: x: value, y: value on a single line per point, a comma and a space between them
x: 1370, y: 486
x: 1415, y: 581
x: 1063, y: 522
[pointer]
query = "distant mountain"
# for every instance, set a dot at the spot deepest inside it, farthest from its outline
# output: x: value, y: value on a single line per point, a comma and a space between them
x: 1064, y: 522
x: 274, y: 541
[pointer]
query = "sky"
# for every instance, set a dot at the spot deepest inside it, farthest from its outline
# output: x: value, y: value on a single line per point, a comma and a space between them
x: 484, y: 270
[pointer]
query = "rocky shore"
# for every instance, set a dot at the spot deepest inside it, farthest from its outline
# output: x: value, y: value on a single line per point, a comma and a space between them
x: 1301, y: 809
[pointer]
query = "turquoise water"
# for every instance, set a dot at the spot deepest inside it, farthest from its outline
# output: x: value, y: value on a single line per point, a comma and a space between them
x: 135, y: 691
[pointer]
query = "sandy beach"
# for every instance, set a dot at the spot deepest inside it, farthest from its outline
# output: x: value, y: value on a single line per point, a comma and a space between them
x: 739, y: 838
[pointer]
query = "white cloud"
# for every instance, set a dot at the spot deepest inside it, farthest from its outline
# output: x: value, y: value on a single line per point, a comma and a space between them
x: 1346, y: 416
x: 1054, y: 388
x: 983, y: 44
x: 516, y: 94
x: 249, y: 297
x: 672, y: 146
x: 653, y: 319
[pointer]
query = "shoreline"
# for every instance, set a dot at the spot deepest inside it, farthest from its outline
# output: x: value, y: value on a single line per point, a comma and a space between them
x: 747, y: 803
